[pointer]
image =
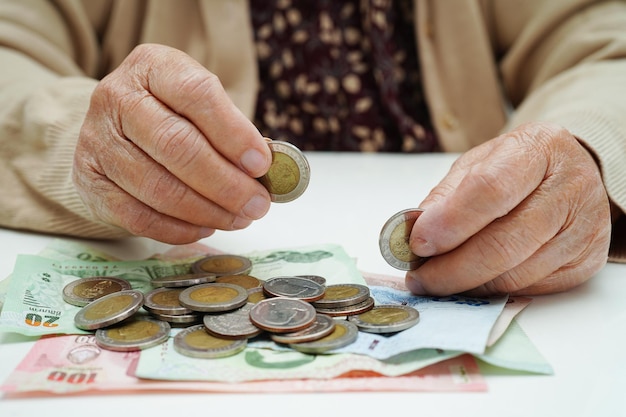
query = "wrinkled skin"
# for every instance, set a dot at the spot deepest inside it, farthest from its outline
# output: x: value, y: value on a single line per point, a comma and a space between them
x: 165, y: 154
x: 525, y: 213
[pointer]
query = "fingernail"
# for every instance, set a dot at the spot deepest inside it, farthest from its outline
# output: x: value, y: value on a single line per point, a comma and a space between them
x: 241, y: 223
x: 422, y: 247
x: 206, y: 232
x: 253, y: 161
x: 256, y: 207
x: 414, y: 285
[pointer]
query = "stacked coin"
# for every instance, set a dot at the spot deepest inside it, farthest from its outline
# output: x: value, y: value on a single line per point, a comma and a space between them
x: 221, y: 307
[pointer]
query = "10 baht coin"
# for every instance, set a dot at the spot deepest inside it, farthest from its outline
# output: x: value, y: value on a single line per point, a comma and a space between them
x: 82, y: 291
x: 109, y: 310
x: 389, y: 318
x: 223, y: 265
x: 164, y: 301
x: 341, y: 295
x: 196, y: 342
x: 343, y: 334
x: 289, y: 174
x: 394, y: 240
x: 137, y: 334
x: 213, y: 297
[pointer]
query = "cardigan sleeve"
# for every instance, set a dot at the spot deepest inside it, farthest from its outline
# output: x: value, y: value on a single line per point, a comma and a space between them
x: 568, y: 66
x: 48, y: 53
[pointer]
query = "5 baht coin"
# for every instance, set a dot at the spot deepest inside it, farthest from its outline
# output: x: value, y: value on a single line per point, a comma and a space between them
x: 288, y: 175
x: 282, y: 315
x: 294, y: 287
x: 394, y: 240
x: 137, y: 334
x: 82, y: 291
x: 109, y: 310
x: 235, y: 324
x: 321, y: 327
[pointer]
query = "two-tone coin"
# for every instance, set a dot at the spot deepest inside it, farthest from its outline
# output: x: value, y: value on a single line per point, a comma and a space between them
x: 245, y: 281
x: 82, y: 291
x: 348, y: 310
x: 223, y: 265
x: 178, y: 320
x: 294, y: 287
x: 213, y: 297
x: 137, y: 334
x: 282, y: 315
x: 184, y: 280
x: 109, y: 310
x: 235, y: 324
x: 321, y: 327
x: 394, y: 240
x: 288, y: 175
x: 256, y: 294
x: 341, y: 295
x: 196, y: 342
x: 165, y: 301
x: 386, y: 319
x: 343, y: 334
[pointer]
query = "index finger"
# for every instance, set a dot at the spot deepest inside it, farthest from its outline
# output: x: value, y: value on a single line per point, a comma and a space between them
x: 192, y: 91
x: 484, y: 184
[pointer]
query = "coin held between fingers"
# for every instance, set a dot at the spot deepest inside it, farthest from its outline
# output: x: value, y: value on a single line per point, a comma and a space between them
x: 394, y: 240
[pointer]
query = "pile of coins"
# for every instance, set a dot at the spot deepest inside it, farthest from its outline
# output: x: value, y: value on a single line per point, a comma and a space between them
x: 220, y: 307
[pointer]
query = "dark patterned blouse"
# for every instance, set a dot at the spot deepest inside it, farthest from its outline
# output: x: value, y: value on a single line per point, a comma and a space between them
x: 340, y: 75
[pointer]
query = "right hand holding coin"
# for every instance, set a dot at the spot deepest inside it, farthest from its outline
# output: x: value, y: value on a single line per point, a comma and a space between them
x: 164, y: 153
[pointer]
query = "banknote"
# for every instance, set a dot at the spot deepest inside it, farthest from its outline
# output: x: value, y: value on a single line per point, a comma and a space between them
x: 74, y: 364
x: 34, y: 305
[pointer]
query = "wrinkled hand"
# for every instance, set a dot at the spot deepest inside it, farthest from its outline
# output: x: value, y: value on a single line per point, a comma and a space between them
x: 525, y: 213
x: 164, y: 153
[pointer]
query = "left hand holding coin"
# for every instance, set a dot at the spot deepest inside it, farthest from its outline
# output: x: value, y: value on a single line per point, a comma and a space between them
x: 525, y: 213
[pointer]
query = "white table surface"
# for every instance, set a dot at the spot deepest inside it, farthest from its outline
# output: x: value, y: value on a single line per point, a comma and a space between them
x: 582, y: 333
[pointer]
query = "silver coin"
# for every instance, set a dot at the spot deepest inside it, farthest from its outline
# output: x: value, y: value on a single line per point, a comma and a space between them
x: 109, y: 310
x: 343, y: 334
x: 232, y: 325
x: 214, y: 297
x: 350, y: 310
x: 196, y: 342
x: 165, y: 301
x: 341, y: 295
x: 282, y: 315
x: 319, y: 279
x: 178, y: 320
x: 224, y: 264
x: 322, y: 326
x: 137, y: 334
x: 185, y: 280
x: 82, y: 291
x: 386, y: 319
x: 294, y: 287
x: 289, y: 174
x: 394, y: 240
